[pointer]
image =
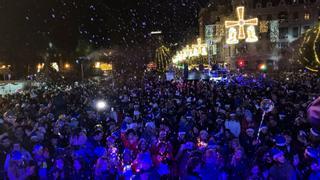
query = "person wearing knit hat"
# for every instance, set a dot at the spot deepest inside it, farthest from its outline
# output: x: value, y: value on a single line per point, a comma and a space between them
x: 250, y: 131
x: 277, y: 155
x: 281, y: 165
x: 311, y: 153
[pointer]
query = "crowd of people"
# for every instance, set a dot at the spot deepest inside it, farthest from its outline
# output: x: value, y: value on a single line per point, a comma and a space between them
x: 158, y: 129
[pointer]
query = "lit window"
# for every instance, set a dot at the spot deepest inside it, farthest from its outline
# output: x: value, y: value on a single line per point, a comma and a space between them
x: 307, y: 16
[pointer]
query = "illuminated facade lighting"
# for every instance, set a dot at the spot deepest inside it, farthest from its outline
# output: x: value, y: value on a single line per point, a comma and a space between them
x: 234, y: 36
x: 251, y: 35
x: 306, y: 16
x: 264, y: 26
x: 40, y: 66
x: 97, y: 65
x: 191, y: 51
x: 156, y: 32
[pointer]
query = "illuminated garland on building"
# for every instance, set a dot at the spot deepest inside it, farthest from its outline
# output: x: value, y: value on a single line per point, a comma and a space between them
x: 309, y: 50
x: 162, y: 58
x: 237, y: 29
x: 190, y: 52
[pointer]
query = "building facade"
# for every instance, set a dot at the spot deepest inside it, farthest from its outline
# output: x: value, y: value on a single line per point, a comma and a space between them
x: 281, y: 24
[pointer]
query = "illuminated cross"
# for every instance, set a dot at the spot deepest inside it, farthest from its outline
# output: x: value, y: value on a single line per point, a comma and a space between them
x: 241, y: 23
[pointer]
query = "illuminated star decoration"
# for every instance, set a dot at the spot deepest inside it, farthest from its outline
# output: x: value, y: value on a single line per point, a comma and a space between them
x: 241, y: 23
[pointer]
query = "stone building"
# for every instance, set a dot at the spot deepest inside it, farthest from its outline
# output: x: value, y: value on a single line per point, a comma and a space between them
x: 281, y: 24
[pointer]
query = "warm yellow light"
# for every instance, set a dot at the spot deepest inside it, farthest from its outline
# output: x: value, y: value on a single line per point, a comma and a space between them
x: 264, y: 27
x: 315, y: 46
x: 240, y: 24
x: 251, y: 35
x: 189, y: 51
x: 97, y: 65
x: 3, y: 66
x: 40, y: 66
x: 307, y: 16
x: 232, y: 36
x: 105, y: 67
x: 67, y: 66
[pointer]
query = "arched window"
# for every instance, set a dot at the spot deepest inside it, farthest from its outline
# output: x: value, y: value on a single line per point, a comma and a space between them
x: 307, y: 16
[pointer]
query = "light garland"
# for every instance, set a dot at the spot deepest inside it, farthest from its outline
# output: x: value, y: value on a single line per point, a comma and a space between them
x: 240, y: 24
x: 190, y: 51
x: 264, y: 26
x: 251, y: 35
x: 308, y: 53
x: 314, y: 45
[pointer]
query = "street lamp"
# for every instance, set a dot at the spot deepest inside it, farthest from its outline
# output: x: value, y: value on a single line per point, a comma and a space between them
x: 80, y: 61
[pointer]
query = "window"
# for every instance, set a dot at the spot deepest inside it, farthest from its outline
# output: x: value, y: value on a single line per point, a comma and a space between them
x: 295, y: 15
x: 258, y: 5
x: 283, y: 16
x: 282, y: 3
x: 283, y: 33
x: 269, y: 4
x: 306, y: 16
x: 295, y: 32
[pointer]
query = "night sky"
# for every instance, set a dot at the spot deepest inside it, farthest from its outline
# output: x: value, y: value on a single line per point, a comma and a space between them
x: 27, y: 26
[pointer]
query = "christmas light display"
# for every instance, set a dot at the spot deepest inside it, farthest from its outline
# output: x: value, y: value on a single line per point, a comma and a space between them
x: 240, y: 24
x: 264, y: 26
x: 191, y: 51
x: 309, y: 50
x: 162, y: 58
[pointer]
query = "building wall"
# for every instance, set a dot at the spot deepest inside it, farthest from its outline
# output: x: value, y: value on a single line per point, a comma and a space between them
x: 294, y: 16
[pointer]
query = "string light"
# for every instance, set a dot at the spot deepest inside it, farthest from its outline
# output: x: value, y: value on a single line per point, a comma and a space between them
x: 240, y: 24
x: 308, y: 54
x: 191, y: 51
x: 251, y: 35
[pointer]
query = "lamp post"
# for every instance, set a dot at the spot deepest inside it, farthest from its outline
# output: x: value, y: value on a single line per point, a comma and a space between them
x: 81, y: 61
